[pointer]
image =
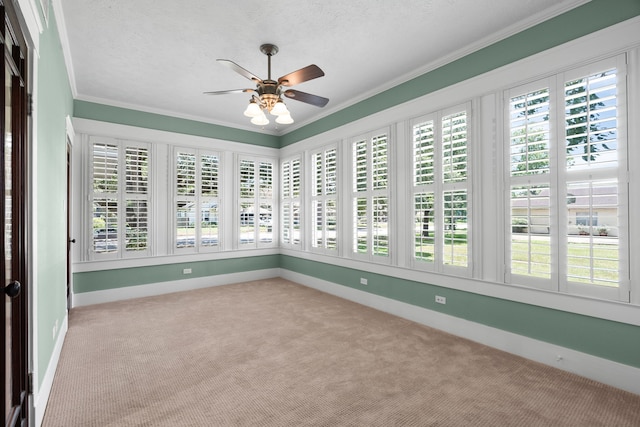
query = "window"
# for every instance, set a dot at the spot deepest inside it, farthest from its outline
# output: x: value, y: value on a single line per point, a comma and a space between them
x: 197, y: 200
x: 440, y: 191
x: 256, y: 201
x: 324, y: 200
x: 119, y: 198
x: 530, y: 177
x: 290, y: 190
x: 565, y: 174
x: 370, y: 196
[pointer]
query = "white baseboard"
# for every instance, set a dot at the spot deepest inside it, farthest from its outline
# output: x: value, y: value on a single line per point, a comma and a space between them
x: 42, y: 391
x: 152, y: 289
x: 598, y: 369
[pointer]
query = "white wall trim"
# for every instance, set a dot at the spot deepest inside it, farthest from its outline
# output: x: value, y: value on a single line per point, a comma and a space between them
x: 605, y: 371
x: 155, y: 136
x: 153, y: 289
x: 102, y: 265
x: 42, y: 391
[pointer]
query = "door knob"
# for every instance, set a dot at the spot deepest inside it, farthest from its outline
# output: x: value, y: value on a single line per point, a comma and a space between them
x: 72, y: 240
x: 12, y: 289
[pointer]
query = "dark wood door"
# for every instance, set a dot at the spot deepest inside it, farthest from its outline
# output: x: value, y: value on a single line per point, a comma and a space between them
x: 14, y: 207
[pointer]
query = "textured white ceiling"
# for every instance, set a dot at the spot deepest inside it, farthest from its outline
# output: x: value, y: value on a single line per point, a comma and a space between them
x: 160, y: 55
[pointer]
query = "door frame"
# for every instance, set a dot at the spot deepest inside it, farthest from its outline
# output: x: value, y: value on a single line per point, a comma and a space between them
x: 19, y: 59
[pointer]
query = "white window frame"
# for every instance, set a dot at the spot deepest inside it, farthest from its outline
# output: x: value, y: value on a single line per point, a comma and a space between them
x: 439, y: 188
x: 291, y: 190
x: 319, y: 199
x: 196, y: 199
x: 370, y: 194
x: 560, y: 177
x: 120, y: 197
x: 257, y: 200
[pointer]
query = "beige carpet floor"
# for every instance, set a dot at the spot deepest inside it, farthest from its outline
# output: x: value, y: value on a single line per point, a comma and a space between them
x: 275, y: 353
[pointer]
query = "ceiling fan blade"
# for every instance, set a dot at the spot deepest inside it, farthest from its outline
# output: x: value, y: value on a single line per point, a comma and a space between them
x: 223, y: 92
x: 238, y: 69
x: 307, y: 73
x: 316, y: 100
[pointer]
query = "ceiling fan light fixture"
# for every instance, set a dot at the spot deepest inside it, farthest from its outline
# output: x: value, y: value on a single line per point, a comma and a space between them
x: 285, y: 119
x: 253, y: 109
x: 260, y: 120
x: 279, y: 109
x: 267, y: 93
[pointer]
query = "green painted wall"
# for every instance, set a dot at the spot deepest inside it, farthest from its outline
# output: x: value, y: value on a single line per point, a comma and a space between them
x: 593, y: 16
x: 124, y: 277
x: 106, y: 113
x: 615, y: 341
x: 53, y: 103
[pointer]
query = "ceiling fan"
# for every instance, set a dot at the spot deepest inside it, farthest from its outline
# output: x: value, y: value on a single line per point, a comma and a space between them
x: 267, y: 95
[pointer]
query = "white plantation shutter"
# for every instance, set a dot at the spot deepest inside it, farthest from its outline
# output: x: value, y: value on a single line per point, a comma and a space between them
x: 423, y: 152
x: 591, y: 121
x: 209, y: 200
x: 454, y: 147
x: 370, y: 196
x: 324, y: 200
x: 120, y: 198
x: 185, y: 232
x: 530, y: 179
x: 530, y: 228
x: 441, y: 191
x: 593, y: 257
x: 247, y: 201
x: 529, y: 132
x: 105, y: 212
x: 136, y: 198
x: 256, y: 202
x: 266, y: 203
x: 565, y: 193
x: 455, y: 241
x: 455, y: 247
x: 196, y: 200
x: 290, y: 201
x: 424, y: 157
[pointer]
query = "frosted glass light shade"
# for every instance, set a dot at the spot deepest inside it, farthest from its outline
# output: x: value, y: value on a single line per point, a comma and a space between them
x: 285, y: 119
x: 260, y: 120
x: 253, y: 110
x: 279, y: 109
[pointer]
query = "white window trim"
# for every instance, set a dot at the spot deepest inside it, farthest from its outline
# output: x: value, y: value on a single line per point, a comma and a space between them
x: 197, y: 248
x: 275, y: 205
x: 559, y: 177
x: 120, y: 197
x: 286, y: 199
x: 323, y: 198
x: 438, y: 188
x: 370, y: 194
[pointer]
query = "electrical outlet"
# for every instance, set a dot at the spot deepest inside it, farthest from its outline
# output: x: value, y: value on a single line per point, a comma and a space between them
x: 186, y: 271
x: 363, y: 281
x: 441, y: 300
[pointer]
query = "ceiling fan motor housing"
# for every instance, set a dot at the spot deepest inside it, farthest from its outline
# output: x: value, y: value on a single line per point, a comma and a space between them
x: 268, y: 93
